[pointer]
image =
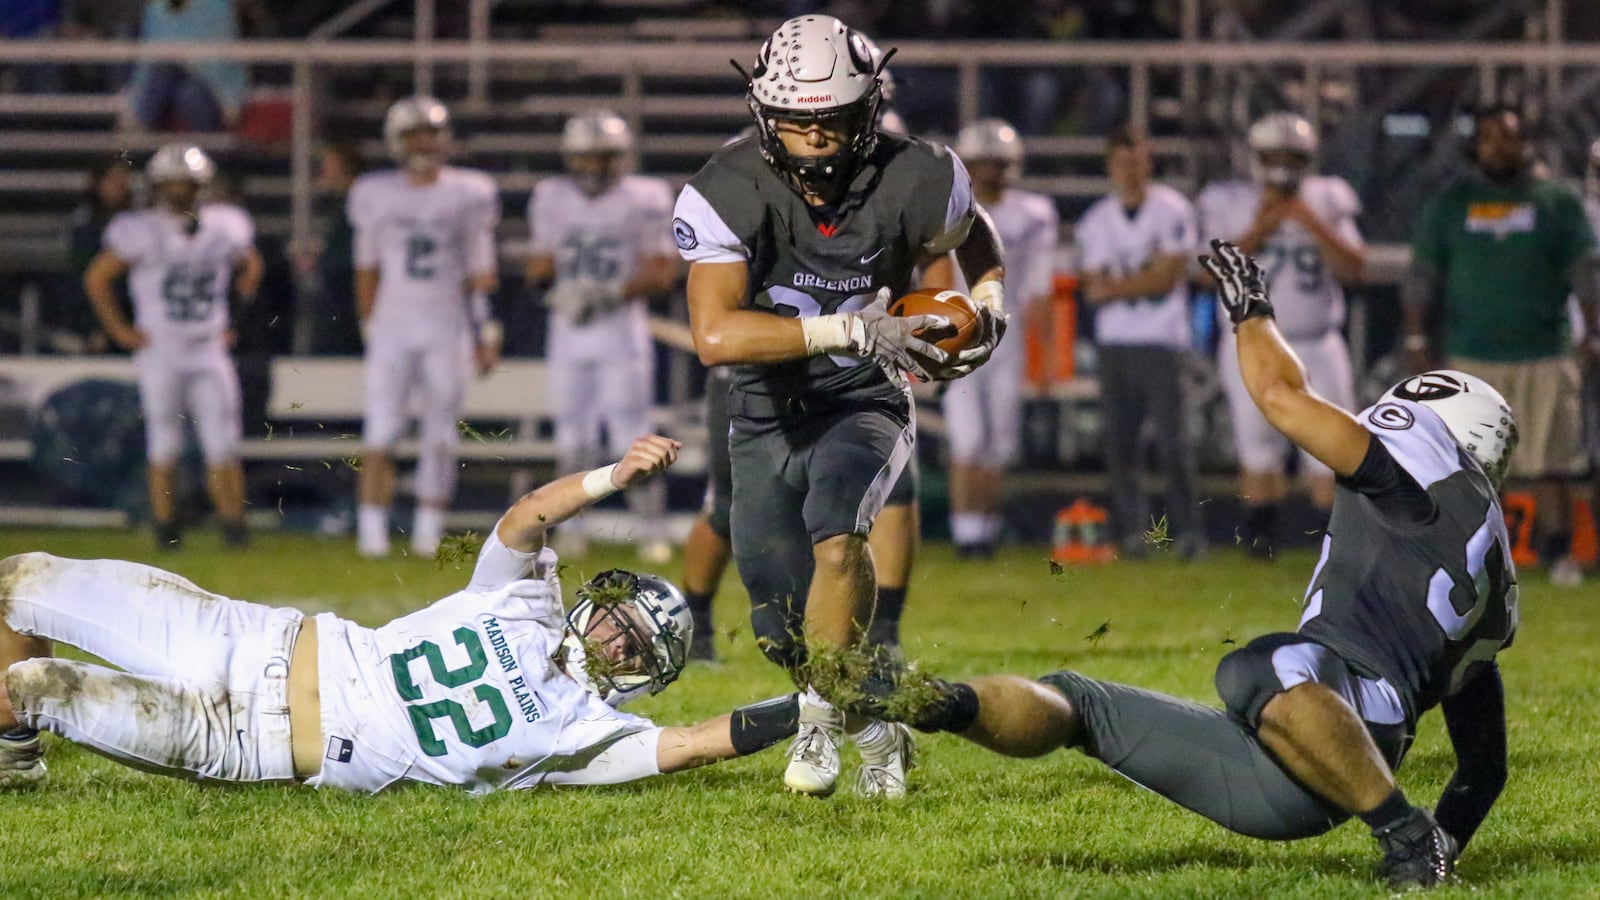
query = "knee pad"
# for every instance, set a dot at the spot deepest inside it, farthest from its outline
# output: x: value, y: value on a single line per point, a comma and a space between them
x: 1246, y: 678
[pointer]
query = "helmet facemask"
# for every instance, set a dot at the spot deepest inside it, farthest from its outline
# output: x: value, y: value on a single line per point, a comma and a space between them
x: 828, y: 176
x: 629, y: 638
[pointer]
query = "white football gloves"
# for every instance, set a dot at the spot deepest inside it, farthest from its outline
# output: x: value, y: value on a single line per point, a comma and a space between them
x: 580, y: 299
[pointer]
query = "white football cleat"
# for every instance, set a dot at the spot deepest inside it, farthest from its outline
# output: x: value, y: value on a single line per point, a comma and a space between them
x: 883, y: 769
x: 813, y: 761
x: 22, y: 763
x: 656, y: 553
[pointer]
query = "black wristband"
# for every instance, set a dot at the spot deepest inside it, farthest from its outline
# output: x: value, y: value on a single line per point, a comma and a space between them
x: 760, y: 725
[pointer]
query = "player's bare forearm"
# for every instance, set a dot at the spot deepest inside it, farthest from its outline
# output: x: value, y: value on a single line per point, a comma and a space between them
x: 541, y: 270
x: 248, y: 281
x: 748, y: 729
x: 366, y: 292
x: 724, y: 332
x: 523, y: 526
x: 1154, y: 280
x: 1276, y: 380
x: 982, y: 255
x: 98, y: 281
x: 483, y: 282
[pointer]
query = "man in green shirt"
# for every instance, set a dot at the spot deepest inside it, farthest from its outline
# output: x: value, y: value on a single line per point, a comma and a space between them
x: 1505, y: 248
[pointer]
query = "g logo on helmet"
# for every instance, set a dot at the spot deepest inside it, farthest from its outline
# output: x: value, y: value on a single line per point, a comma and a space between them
x: 1428, y: 386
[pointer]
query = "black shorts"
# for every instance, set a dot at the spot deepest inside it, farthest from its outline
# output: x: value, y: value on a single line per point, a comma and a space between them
x: 817, y: 476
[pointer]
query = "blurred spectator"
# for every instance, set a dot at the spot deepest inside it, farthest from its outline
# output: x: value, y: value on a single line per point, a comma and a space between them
x: 32, y: 20
x: 1136, y: 243
x: 1504, y: 247
x: 335, y: 327
x: 109, y: 191
x: 199, y: 96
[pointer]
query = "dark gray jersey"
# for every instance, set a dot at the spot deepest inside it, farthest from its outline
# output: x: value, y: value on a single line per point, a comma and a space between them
x: 1416, y: 600
x: 912, y: 198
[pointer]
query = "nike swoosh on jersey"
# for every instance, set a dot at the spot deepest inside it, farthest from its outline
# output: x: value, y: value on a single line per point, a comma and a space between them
x: 868, y: 259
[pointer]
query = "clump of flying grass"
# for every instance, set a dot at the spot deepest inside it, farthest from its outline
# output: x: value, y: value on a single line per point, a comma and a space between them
x: 1159, y: 535
x: 455, y: 549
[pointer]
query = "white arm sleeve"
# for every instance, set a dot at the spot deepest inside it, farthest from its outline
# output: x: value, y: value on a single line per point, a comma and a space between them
x: 124, y: 238
x: 499, y: 565
x: 629, y: 759
x: 958, y: 213
x: 700, y: 233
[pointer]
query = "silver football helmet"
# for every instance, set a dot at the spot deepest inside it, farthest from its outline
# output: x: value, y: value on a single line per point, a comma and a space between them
x: 596, y: 131
x: 180, y: 162
x: 1477, y: 416
x: 594, y: 145
x: 1281, y: 132
x: 817, y: 70
x: 414, y: 114
x: 644, y: 643
x: 991, y: 139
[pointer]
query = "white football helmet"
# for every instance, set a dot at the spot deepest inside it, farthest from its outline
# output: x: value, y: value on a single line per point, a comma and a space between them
x: 411, y: 114
x: 596, y: 131
x: 651, y: 619
x: 991, y: 139
x: 1281, y: 132
x: 815, y: 69
x: 1477, y: 416
x: 180, y: 162
x: 1591, y: 172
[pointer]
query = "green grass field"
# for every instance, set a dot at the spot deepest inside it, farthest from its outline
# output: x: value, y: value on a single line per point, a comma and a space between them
x: 975, y: 825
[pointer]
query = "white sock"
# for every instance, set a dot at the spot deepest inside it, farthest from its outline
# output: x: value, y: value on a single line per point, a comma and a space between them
x: 427, y: 526
x: 372, y: 526
x: 992, y: 523
x: 816, y: 711
x: 967, y: 528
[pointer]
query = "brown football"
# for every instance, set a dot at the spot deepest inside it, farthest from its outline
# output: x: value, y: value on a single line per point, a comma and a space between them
x: 953, y: 305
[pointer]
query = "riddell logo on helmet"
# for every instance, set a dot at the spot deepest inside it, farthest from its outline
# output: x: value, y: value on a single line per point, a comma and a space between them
x: 816, y: 98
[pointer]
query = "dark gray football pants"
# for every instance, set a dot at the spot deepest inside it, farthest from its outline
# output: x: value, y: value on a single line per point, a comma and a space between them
x: 1138, y: 384
x: 1201, y: 758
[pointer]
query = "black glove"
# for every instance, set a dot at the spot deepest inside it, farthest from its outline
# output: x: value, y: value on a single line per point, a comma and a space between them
x: 1239, y: 283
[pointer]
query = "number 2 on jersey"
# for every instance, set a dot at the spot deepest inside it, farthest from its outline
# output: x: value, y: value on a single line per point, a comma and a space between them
x: 419, y: 256
x: 424, y: 714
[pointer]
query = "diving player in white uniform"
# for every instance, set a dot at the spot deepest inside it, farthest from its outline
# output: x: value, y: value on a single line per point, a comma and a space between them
x: 983, y: 410
x: 489, y: 688
x: 425, y: 264
x: 182, y: 259
x: 1302, y: 226
x: 602, y: 241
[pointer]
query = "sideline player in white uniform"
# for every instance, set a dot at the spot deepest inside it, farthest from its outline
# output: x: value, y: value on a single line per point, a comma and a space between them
x: 602, y: 240
x: 983, y: 410
x: 1136, y: 243
x: 425, y: 264
x: 182, y: 259
x: 1302, y: 227
x: 489, y: 688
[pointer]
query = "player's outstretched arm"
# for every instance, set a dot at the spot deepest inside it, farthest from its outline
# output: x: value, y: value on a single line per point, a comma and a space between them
x: 523, y: 527
x: 746, y: 730
x: 1476, y: 719
x: 725, y: 332
x: 1273, y: 374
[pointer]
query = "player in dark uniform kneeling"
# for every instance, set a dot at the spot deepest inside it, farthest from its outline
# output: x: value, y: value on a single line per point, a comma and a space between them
x: 1414, y: 595
x: 796, y: 240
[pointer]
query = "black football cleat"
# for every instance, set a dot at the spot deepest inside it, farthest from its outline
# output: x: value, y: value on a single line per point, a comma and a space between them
x: 1417, y: 853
